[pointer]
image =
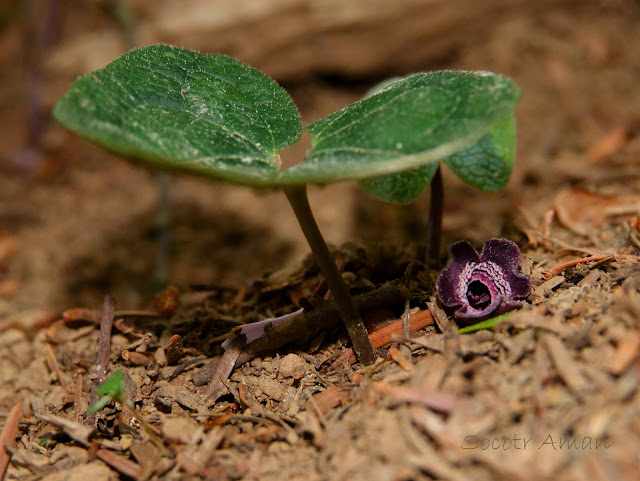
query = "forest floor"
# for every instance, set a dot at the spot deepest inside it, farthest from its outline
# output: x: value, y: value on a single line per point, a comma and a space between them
x: 553, y: 392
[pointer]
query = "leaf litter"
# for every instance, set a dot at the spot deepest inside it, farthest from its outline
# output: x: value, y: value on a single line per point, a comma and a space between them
x: 561, y: 375
x: 566, y: 367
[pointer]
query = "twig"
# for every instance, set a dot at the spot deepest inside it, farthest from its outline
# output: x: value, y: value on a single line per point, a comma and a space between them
x: 54, y: 366
x: 406, y: 319
x: 185, y: 365
x: 77, y: 397
x: 383, y: 336
x: 439, y: 316
x: 78, y: 432
x: 554, y: 271
x: 396, y: 355
x: 324, y: 316
x: 8, y: 436
x: 104, y: 346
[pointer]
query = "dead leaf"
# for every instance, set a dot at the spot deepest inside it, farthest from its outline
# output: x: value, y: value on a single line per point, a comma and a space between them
x: 608, y: 144
x: 626, y: 353
x: 436, y: 400
x: 582, y: 212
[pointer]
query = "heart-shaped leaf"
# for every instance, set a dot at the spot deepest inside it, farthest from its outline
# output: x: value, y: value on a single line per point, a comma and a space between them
x: 416, y: 121
x: 211, y: 115
x: 179, y: 109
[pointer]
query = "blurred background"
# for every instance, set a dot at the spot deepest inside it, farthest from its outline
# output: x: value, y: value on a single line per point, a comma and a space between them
x: 76, y: 222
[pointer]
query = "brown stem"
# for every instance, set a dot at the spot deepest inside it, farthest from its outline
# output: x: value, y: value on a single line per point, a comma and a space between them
x: 323, y: 316
x: 434, y: 223
x: 297, y: 196
x: 104, y: 345
x: 104, y: 349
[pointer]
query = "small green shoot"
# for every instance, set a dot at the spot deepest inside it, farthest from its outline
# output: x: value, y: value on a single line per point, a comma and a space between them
x: 112, y: 389
x: 207, y: 114
x: 487, y: 324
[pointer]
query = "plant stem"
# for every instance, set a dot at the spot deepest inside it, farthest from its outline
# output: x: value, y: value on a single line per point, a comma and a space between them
x: 434, y: 223
x: 104, y: 346
x: 297, y: 197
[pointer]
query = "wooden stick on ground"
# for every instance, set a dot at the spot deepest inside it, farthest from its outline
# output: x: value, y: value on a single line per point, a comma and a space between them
x: 104, y: 346
x: 8, y: 436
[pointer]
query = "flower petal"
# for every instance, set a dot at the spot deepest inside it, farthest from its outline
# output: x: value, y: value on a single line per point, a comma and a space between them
x: 506, y: 255
x: 503, y: 252
x: 460, y: 254
x: 477, y: 287
x: 467, y: 312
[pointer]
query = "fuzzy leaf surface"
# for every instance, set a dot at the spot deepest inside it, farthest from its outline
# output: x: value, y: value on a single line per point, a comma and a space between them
x: 181, y: 110
x: 414, y: 122
x: 208, y: 114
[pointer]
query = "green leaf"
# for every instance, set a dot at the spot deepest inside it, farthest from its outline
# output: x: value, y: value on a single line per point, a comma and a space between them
x: 178, y: 109
x: 402, y: 187
x: 113, y: 386
x: 487, y: 324
x: 487, y: 164
x: 112, y: 389
x: 98, y: 405
x: 415, y: 121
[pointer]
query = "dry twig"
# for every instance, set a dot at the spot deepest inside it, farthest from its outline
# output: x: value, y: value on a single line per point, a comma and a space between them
x: 104, y: 346
x: 383, y: 336
x: 8, y: 436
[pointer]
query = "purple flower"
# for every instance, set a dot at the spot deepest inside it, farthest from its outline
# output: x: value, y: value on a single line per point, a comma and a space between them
x: 477, y: 287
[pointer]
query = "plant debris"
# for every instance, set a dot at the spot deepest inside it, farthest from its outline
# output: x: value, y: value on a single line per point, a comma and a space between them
x: 550, y: 392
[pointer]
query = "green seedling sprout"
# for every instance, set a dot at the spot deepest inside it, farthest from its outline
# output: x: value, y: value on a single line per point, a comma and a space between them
x: 207, y: 114
x: 112, y: 389
x: 486, y: 324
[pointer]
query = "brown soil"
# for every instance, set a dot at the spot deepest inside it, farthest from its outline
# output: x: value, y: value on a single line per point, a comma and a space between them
x: 562, y: 375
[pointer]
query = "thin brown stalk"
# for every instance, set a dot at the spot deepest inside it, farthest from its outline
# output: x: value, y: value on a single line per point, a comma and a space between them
x: 434, y: 223
x: 8, y: 436
x: 104, y: 343
x: 297, y: 196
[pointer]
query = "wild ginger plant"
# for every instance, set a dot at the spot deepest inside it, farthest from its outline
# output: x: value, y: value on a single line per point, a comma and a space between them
x: 207, y: 114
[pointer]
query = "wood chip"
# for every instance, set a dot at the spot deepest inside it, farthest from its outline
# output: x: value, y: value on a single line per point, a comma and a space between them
x: 625, y: 354
x: 120, y: 463
x: 436, y: 400
x: 76, y: 431
x: 567, y: 367
x: 174, y: 350
x: 402, y: 361
x: 224, y: 368
x: 181, y: 395
x: 439, y: 316
x: 331, y: 397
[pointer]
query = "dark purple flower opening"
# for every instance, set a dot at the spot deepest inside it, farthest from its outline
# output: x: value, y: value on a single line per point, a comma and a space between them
x: 476, y: 286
